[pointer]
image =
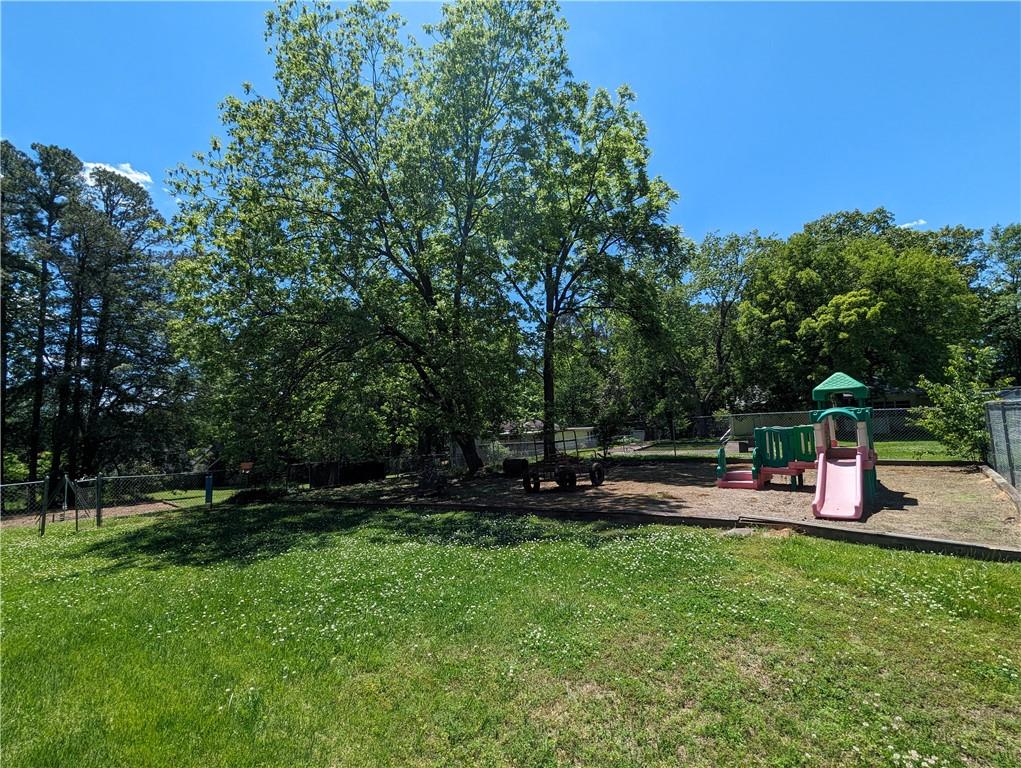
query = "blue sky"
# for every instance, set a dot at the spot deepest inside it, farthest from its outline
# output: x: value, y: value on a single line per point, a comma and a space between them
x: 760, y: 115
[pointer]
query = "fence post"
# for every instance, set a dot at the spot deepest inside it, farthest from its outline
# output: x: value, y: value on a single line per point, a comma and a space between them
x: 67, y: 485
x: 209, y: 490
x: 99, y: 500
x: 991, y: 453
x: 1006, y: 442
x: 46, y: 505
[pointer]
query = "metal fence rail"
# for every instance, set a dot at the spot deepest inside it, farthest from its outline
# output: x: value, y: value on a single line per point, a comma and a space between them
x: 888, y: 425
x: 493, y: 451
x: 1003, y: 418
x: 22, y: 500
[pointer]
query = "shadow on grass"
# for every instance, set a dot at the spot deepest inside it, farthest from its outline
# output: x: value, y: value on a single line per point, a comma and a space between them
x: 246, y: 534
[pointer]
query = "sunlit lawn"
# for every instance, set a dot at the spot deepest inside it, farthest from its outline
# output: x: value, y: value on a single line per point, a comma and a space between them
x: 187, y: 499
x: 296, y: 636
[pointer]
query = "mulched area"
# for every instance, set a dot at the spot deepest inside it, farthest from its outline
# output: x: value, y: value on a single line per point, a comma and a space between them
x: 959, y: 503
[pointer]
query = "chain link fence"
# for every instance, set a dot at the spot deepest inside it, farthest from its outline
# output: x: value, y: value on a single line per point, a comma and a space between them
x: 22, y: 500
x: 894, y: 432
x: 888, y: 424
x: 1003, y: 418
x: 493, y: 450
x: 577, y: 442
x: 96, y: 498
x: 151, y: 493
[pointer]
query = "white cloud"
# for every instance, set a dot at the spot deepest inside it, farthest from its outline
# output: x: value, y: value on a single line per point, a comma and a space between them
x: 915, y: 223
x: 124, y: 169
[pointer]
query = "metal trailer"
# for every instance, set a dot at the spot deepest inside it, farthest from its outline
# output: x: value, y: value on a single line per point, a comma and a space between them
x: 564, y: 470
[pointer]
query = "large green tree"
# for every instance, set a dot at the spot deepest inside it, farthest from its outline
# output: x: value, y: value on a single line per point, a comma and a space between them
x: 88, y: 375
x: 589, y: 213
x: 852, y: 292
x: 370, y: 193
x: 38, y: 192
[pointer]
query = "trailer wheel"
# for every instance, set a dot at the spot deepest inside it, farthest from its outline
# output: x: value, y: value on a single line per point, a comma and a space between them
x: 531, y: 482
x: 597, y: 474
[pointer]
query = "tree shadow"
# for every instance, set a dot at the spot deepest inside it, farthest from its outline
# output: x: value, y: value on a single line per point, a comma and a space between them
x: 497, y: 491
x: 889, y: 499
x: 247, y: 534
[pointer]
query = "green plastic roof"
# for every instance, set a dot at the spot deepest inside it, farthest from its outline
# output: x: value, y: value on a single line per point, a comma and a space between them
x: 839, y: 384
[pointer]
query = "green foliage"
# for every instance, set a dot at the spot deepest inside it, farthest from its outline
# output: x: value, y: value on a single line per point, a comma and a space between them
x: 370, y: 214
x: 413, y: 228
x: 956, y: 416
x: 588, y: 215
x: 89, y: 380
x: 692, y: 332
x: 1002, y: 298
x: 851, y: 292
x: 612, y: 412
x: 15, y: 470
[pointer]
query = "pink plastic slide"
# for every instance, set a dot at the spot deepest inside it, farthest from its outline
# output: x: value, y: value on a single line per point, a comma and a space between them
x: 839, y: 485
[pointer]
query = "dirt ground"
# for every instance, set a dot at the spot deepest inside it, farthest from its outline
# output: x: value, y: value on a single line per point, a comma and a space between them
x: 958, y: 503
x: 89, y: 519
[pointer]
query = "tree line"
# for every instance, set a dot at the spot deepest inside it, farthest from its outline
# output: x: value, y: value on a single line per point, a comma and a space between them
x: 408, y: 244
x: 89, y: 381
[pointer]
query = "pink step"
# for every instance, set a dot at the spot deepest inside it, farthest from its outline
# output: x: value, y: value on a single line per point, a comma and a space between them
x: 739, y: 478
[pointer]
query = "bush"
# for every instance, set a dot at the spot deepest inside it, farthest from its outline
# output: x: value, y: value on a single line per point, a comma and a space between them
x: 15, y: 470
x: 956, y: 416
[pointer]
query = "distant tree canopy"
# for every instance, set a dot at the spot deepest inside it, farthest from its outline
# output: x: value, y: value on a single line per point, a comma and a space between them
x: 852, y: 292
x: 88, y: 377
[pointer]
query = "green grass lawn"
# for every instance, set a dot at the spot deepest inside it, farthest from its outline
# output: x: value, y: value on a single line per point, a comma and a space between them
x: 914, y: 450
x: 192, y: 498
x: 295, y: 636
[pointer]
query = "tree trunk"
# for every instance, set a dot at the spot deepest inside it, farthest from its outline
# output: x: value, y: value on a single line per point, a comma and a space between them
x: 61, y: 427
x: 74, y: 442
x: 549, y: 445
x: 97, y: 386
x: 469, y: 450
x: 5, y: 326
x: 35, y: 432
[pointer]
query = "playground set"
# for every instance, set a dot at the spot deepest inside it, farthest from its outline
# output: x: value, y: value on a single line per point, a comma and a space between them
x: 845, y: 475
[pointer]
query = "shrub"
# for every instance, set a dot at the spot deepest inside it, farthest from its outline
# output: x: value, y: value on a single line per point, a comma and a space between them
x: 956, y: 416
x: 15, y: 470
